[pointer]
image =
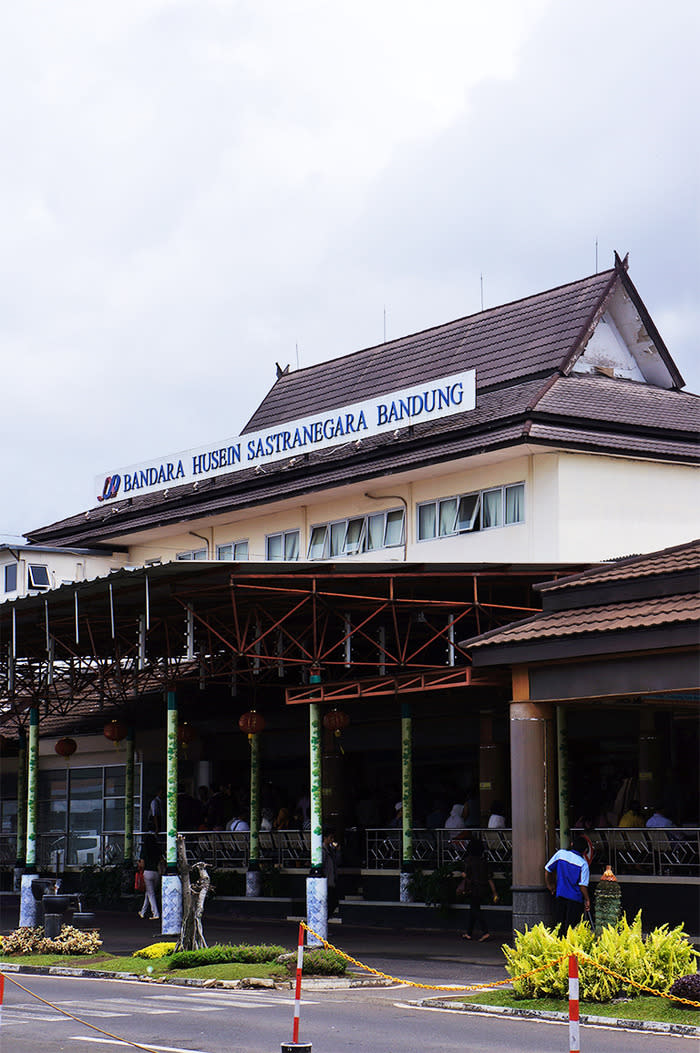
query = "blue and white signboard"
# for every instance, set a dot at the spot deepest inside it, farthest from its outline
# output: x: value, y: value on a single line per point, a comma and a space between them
x: 425, y: 402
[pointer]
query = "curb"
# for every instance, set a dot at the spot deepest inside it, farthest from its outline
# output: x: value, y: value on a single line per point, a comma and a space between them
x: 654, y: 1026
x: 320, y: 983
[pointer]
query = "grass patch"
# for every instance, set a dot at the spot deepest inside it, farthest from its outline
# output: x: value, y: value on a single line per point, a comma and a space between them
x: 642, y: 1008
x: 159, y: 966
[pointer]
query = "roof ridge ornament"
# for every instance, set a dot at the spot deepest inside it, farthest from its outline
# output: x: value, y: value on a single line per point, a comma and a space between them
x: 622, y: 264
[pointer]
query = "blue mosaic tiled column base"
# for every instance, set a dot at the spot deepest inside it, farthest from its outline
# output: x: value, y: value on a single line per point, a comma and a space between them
x: 252, y: 883
x: 405, y: 895
x: 29, y: 909
x: 316, y: 909
x: 171, y: 905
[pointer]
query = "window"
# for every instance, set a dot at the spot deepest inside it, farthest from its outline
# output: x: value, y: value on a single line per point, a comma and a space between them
x: 195, y: 553
x: 38, y: 575
x: 10, y: 577
x: 284, y: 546
x: 235, y: 551
x: 348, y: 537
x: 483, y: 510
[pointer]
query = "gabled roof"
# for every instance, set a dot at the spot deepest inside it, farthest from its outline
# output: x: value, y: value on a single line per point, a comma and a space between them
x: 523, y: 354
x: 635, y: 595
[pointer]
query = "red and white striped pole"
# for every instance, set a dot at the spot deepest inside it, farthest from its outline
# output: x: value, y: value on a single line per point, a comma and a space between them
x: 295, y: 1046
x: 574, y: 1045
x: 2, y: 995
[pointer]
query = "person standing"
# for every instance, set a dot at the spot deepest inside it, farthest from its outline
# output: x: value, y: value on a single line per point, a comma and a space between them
x: 567, y: 876
x: 149, y: 863
x: 330, y: 861
x: 156, y: 812
x: 476, y: 884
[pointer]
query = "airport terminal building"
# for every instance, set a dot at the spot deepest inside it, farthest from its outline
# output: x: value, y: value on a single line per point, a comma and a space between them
x: 336, y: 575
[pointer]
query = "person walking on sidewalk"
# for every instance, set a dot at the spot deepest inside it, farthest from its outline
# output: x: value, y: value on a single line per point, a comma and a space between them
x: 149, y: 862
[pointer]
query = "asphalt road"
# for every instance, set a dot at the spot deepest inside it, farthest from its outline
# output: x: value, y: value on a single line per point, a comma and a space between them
x: 191, y: 1020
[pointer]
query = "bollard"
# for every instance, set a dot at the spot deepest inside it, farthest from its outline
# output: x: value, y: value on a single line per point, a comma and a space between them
x: 295, y: 1046
x: 574, y: 1045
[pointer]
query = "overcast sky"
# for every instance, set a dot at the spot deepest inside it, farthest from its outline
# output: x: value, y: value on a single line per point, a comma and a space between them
x: 190, y: 191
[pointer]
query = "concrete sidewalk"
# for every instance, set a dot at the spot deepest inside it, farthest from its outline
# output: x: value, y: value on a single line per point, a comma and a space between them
x: 409, y: 954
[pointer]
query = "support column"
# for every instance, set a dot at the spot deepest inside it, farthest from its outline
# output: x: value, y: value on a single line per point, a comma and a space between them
x: 316, y: 883
x: 28, y: 907
x: 171, y: 892
x: 252, y: 878
x: 21, y: 847
x: 533, y: 768
x: 407, y: 802
x: 563, y: 777
x: 648, y: 758
x: 129, y: 800
x: 493, y: 781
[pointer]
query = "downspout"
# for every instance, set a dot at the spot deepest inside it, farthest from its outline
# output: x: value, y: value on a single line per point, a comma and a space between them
x: 204, y: 539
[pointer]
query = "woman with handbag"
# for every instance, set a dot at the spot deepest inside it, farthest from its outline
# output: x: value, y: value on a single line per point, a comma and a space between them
x: 149, y: 864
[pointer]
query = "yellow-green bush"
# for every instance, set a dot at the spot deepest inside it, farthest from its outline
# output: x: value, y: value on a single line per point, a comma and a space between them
x: 155, y: 950
x: 656, y: 962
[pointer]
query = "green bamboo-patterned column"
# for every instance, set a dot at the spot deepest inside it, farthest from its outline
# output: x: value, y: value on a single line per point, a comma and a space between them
x: 316, y: 793
x: 316, y: 884
x: 171, y: 886
x: 171, y: 785
x: 252, y: 884
x: 28, y: 907
x: 32, y: 787
x: 22, y: 799
x: 129, y: 799
x: 563, y: 778
x: 407, y: 802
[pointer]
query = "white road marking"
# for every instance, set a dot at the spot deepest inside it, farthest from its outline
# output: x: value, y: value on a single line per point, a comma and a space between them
x: 149, y: 1045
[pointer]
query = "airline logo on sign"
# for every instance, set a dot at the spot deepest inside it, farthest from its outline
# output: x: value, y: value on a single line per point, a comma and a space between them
x: 416, y: 405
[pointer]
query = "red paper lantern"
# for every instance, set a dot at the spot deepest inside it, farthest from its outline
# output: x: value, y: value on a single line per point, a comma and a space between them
x: 115, y: 731
x: 336, y: 721
x: 66, y: 747
x: 252, y: 723
x: 186, y: 734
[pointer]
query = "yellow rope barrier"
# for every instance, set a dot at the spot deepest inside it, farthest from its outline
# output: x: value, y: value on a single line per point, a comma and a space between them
x: 498, y: 983
x: 429, y: 987
x: 148, y: 1049
x: 582, y: 956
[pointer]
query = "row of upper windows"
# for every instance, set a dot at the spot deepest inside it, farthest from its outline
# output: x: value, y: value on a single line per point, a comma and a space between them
x: 37, y: 577
x: 481, y: 510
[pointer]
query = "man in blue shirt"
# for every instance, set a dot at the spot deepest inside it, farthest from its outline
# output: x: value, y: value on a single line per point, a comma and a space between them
x: 567, y: 876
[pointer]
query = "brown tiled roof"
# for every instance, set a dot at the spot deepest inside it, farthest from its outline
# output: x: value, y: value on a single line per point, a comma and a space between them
x: 518, y: 351
x: 531, y: 336
x: 640, y: 614
x: 600, y: 398
x: 672, y: 560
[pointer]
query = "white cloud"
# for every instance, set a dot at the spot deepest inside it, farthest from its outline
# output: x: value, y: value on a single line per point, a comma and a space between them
x: 190, y: 188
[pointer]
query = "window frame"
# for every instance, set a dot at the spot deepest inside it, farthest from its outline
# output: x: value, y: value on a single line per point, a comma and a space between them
x: 192, y: 555
x: 31, y: 583
x: 233, y: 546
x: 285, y: 536
x: 477, y: 517
x: 360, y: 543
x: 6, y: 575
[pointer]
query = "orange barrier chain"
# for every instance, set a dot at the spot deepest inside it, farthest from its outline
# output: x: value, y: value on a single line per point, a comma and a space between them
x: 642, y: 987
x: 431, y: 987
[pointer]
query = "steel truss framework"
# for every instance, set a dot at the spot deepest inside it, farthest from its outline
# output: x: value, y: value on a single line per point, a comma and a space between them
x: 322, y: 633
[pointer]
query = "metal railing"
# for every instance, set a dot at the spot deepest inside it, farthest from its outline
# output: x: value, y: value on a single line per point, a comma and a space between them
x: 630, y: 852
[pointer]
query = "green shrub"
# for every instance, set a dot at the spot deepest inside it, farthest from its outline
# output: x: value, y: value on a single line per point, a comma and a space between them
x: 656, y: 962
x: 248, y: 954
x: 322, y: 962
x: 155, y: 950
x: 28, y: 940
